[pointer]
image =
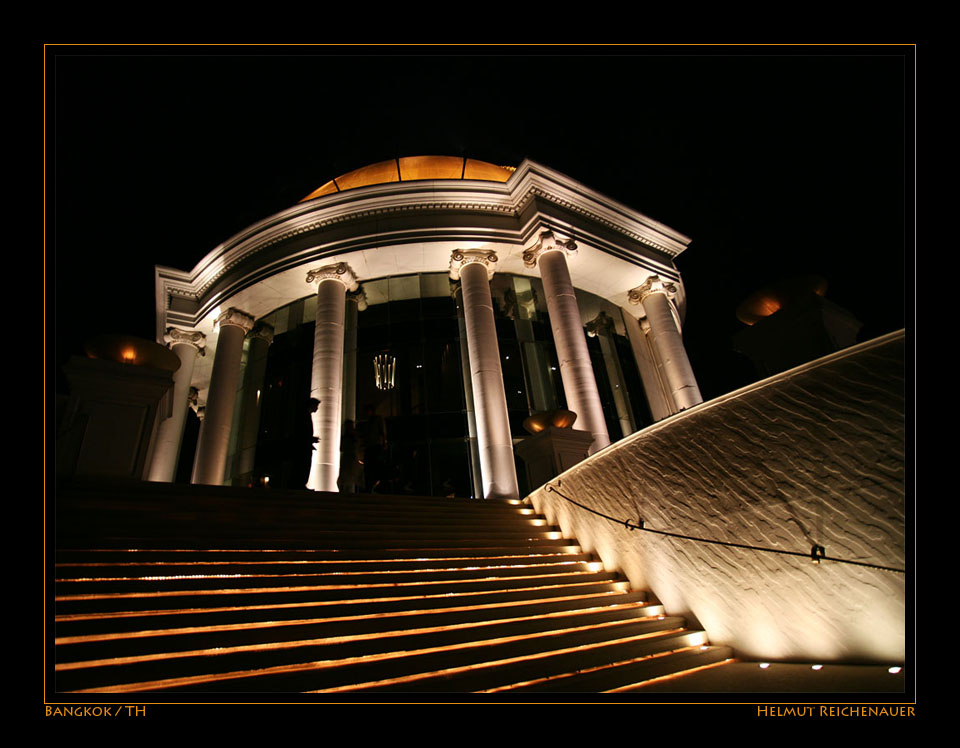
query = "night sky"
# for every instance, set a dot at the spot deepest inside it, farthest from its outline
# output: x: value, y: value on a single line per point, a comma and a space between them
x: 775, y: 162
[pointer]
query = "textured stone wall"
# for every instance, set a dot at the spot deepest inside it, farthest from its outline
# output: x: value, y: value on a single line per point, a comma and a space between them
x: 813, y: 455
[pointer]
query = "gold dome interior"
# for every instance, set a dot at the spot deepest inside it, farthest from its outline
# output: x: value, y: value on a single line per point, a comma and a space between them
x: 412, y: 168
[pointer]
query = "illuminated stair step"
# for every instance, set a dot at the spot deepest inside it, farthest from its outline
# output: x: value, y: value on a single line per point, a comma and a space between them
x: 330, y: 590
x: 267, y: 509
x: 212, y: 555
x: 463, y: 607
x: 624, y: 675
x: 400, y: 634
x: 505, y: 673
x: 160, y: 579
x: 346, y: 543
x: 318, y: 520
x: 97, y: 493
x: 709, y: 658
x: 90, y: 569
x: 400, y: 517
x: 345, y: 622
x: 531, y: 588
x: 339, y: 665
x: 410, y: 526
x: 217, y: 589
x: 471, y: 668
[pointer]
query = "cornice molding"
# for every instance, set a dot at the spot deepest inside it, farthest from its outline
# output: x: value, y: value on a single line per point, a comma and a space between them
x: 530, y: 182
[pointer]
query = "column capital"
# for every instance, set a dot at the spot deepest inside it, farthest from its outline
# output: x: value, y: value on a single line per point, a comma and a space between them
x: 339, y: 272
x: 652, y: 285
x: 462, y: 257
x: 359, y: 297
x: 263, y: 331
x: 175, y: 336
x: 234, y: 316
x: 548, y: 242
x: 602, y: 324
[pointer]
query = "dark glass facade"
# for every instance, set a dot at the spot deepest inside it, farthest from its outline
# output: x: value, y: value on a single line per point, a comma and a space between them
x: 416, y: 434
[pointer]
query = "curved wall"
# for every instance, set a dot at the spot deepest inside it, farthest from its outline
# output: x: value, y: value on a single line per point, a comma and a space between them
x: 813, y: 455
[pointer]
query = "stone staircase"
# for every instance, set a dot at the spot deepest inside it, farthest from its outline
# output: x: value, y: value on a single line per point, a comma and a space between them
x: 203, y: 589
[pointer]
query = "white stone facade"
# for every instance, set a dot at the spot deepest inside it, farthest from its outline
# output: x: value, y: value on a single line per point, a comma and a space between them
x: 530, y: 224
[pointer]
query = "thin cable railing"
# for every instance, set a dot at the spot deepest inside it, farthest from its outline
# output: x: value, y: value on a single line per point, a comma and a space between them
x: 817, y: 552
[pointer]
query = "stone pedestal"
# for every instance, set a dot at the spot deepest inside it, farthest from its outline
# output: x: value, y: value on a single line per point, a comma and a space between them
x: 553, y: 450
x: 111, y: 417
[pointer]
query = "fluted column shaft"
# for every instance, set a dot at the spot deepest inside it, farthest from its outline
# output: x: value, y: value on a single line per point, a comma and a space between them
x: 353, y: 304
x: 260, y: 339
x: 166, y: 452
x: 497, y: 467
x: 326, y: 381
x: 576, y: 369
x: 668, y: 342
x: 211, y: 459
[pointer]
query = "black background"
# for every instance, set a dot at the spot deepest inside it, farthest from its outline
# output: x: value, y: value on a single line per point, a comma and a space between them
x: 775, y: 161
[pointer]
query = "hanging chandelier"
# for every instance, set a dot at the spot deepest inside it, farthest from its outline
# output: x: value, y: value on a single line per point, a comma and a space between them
x: 384, y: 371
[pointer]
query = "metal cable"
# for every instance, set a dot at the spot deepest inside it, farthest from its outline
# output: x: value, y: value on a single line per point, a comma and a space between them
x: 817, y: 552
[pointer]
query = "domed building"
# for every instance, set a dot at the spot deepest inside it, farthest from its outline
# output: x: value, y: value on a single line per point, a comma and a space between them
x: 430, y: 305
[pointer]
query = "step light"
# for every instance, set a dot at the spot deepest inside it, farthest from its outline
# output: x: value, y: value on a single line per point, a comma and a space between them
x: 672, y: 676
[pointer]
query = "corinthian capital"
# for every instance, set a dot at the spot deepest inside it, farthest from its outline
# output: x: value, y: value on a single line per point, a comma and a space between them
x: 652, y: 285
x: 174, y: 336
x: 339, y: 272
x: 234, y: 316
x: 548, y: 242
x: 462, y: 257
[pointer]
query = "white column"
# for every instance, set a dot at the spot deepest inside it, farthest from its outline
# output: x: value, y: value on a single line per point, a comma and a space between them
x: 211, y: 459
x: 186, y: 344
x: 326, y: 381
x: 355, y: 303
x: 603, y: 328
x: 655, y: 389
x: 654, y: 296
x: 261, y: 336
x: 474, y: 269
x: 576, y: 369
